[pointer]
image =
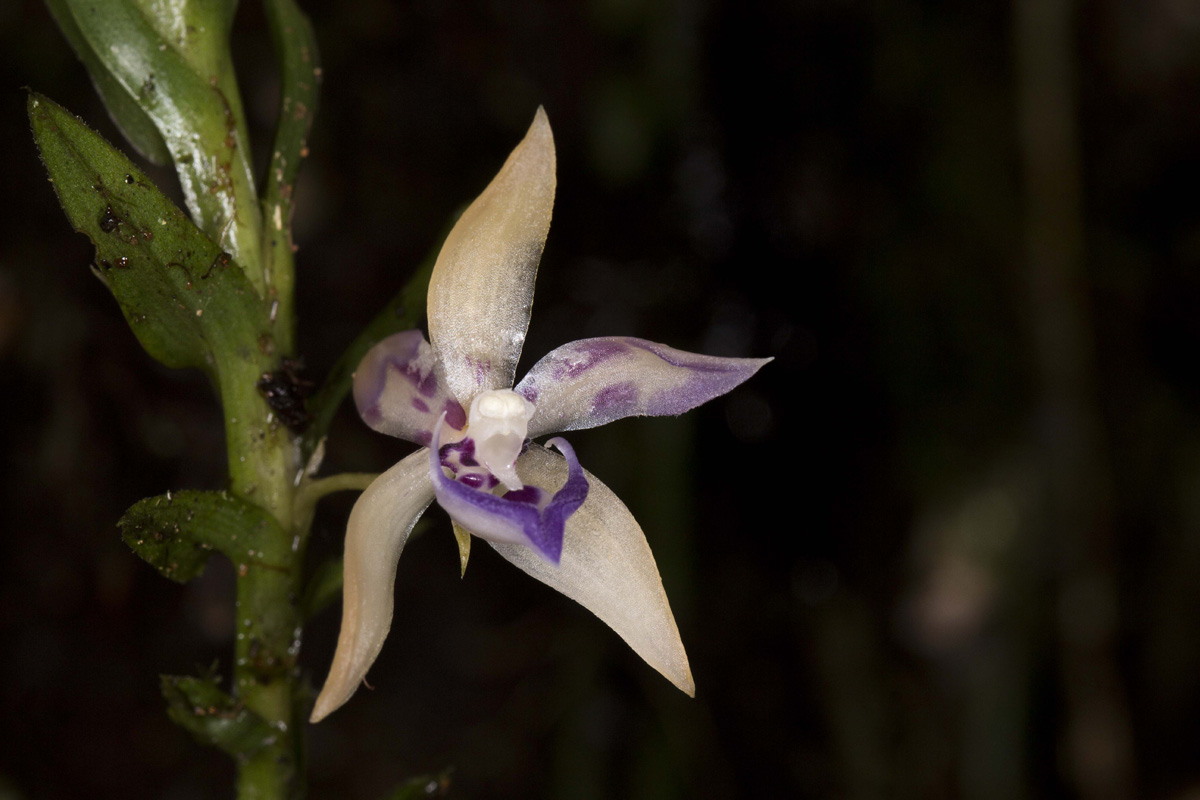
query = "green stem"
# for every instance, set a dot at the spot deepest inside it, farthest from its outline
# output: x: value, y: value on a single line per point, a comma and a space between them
x: 300, y: 72
x: 310, y: 491
x: 262, y: 468
x: 264, y: 458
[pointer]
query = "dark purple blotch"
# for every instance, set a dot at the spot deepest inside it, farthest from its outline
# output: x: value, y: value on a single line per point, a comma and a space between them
x: 455, y: 416
x: 479, y: 480
x: 616, y: 399
x: 459, y: 453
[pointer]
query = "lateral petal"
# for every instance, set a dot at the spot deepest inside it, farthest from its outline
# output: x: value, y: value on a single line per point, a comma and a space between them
x: 607, y: 567
x: 398, y: 391
x: 380, y: 523
x: 595, y: 381
x: 481, y: 291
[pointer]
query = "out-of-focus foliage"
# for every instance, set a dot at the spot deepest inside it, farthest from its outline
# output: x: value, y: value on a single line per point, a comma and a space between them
x: 213, y: 717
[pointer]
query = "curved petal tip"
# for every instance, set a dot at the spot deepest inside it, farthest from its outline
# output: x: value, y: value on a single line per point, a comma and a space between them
x: 379, y: 526
x: 481, y: 290
x: 607, y: 567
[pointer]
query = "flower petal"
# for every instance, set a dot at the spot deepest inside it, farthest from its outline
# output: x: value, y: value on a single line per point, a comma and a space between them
x: 529, y: 517
x: 379, y: 526
x: 398, y: 392
x: 481, y: 290
x: 607, y: 567
x: 595, y: 381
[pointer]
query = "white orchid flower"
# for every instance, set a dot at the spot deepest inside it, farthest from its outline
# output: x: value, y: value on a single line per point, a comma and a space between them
x: 538, y: 509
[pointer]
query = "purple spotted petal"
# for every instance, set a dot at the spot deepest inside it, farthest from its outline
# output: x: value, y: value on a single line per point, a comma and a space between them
x: 397, y: 390
x: 595, y: 381
x: 528, y: 516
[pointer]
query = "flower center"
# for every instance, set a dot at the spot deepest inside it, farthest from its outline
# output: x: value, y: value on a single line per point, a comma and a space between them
x: 498, y: 422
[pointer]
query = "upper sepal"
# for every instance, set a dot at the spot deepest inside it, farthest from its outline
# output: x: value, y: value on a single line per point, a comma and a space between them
x: 596, y: 381
x: 481, y: 291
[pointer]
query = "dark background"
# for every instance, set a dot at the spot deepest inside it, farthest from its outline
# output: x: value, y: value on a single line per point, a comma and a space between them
x: 945, y: 545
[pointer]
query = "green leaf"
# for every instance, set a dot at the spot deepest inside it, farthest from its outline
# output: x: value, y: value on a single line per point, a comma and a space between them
x: 300, y: 74
x: 176, y: 532
x: 423, y: 786
x: 213, y: 717
x: 188, y: 303
x: 137, y: 127
x: 173, y: 60
x: 197, y: 29
x: 300, y: 77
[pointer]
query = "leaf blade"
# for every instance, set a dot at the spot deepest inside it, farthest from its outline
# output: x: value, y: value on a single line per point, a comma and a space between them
x: 128, y: 116
x: 213, y: 717
x: 164, y: 272
x: 184, y: 83
x: 296, y: 51
x: 177, y: 532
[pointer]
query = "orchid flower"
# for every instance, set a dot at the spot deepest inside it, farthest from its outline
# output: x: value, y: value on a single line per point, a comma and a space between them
x: 454, y: 395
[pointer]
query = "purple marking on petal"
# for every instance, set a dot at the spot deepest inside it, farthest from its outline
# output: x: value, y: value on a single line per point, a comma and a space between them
x: 518, y: 516
x: 396, y: 387
x: 707, y: 383
x: 402, y: 350
x: 530, y: 393
x: 479, y: 480
x: 455, y: 414
x: 711, y: 376
x: 566, y: 501
x: 428, y: 386
x: 696, y: 362
x: 530, y: 494
x: 601, y: 349
x: 587, y: 354
x: 423, y: 438
x: 482, y: 368
x: 595, y: 381
x: 460, y: 453
x: 615, y: 399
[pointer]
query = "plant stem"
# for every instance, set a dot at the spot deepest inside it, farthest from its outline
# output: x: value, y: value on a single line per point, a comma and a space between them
x: 263, y: 464
x: 310, y: 491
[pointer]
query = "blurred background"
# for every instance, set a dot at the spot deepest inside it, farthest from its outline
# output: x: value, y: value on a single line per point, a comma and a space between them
x: 947, y: 545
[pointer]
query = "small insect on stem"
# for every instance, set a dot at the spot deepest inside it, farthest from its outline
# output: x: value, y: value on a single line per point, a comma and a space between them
x: 285, y: 391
